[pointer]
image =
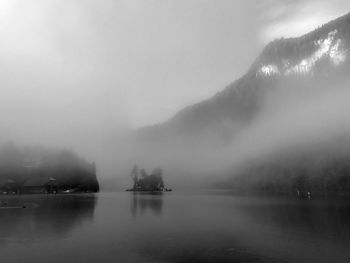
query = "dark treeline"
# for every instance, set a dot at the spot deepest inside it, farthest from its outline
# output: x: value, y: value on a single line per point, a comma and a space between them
x: 147, y: 182
x: 37, y: 170
x: 321, y: 174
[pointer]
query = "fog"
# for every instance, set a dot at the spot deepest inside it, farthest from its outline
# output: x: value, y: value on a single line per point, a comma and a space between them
x: 295, y: 119
x: 84, y: 75
x: 290, y: 122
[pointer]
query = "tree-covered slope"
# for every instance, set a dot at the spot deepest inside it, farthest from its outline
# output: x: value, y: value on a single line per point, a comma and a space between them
x: 34, y: 167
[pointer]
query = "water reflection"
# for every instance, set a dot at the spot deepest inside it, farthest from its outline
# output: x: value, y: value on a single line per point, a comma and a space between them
x: 191, y: 228
x: 140, y: 203
x: 317, y: 218
x: 53, y: 216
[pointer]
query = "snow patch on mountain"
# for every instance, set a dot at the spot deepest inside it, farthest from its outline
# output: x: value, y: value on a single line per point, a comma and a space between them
x: 269, y: 70
x: 328, y: 47
x: 337, y: 54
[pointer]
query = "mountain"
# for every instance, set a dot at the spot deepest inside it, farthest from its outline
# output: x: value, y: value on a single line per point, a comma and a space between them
x: 282, y: 126
x: 321, y: 56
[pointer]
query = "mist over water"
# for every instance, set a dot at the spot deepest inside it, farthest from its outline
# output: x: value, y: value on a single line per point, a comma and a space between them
x: 290, y: 121
x: 84, y: 81
x: 176, y: 131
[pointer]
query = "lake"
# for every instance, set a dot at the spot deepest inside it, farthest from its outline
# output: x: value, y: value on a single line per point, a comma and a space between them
x: 173, y: 227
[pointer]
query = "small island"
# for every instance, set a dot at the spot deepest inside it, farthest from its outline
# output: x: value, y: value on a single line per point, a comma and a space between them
x: 148, y: 182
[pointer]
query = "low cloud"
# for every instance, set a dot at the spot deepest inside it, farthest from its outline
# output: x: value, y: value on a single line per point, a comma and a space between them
x: 294, y: 18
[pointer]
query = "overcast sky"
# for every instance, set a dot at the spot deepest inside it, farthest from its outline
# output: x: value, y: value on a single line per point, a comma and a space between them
x: 74, y: 71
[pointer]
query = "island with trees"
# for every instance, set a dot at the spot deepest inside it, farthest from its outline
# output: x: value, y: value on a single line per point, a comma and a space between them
x: 143, y: 182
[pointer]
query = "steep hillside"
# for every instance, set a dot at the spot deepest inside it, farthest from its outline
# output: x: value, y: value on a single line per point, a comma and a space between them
x: 319, y: 56
x: 282, y: 126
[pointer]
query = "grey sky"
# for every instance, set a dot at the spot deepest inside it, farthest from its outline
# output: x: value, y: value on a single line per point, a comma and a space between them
x: 292, y: 18
x: 75, y: 71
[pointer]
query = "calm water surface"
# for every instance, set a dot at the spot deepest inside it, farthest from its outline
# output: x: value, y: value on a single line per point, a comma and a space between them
x: 173, y: 227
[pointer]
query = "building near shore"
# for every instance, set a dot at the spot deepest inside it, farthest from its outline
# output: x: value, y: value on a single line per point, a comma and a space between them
x: 38, y: 170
